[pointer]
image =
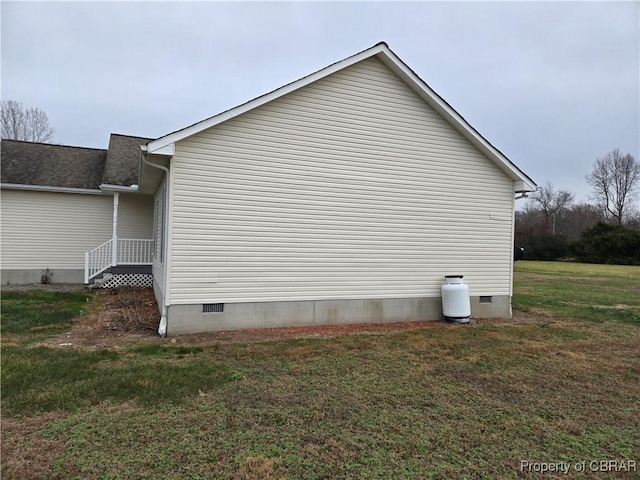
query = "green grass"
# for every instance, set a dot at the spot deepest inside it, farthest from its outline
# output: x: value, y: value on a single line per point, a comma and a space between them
x: 439, y: 402
x: 43, y: 379
x: 595, y: 293
x: 35, y: 310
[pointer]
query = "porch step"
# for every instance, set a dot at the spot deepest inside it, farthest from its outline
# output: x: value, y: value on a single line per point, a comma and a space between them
x: 124, y: 275
x: 131, y: 269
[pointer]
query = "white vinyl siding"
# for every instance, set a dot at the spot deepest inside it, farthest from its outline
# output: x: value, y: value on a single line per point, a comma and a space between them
x: 53, y: 230
x: 135, y: 217
x: 351, y: 187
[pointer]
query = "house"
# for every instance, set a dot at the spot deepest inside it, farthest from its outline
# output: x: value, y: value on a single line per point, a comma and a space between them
x: 58, y: 203
x: 345, y: 196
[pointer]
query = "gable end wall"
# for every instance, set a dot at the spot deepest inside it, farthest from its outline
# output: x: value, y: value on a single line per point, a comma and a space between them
x: 349, y: 188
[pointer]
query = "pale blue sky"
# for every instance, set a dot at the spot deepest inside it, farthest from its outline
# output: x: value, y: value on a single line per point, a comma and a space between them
x: 553, y: 85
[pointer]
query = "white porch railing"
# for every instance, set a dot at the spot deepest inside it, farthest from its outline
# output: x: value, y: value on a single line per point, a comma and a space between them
x: 127, y: 252
x: 98, y: 260
x: 134, y: 252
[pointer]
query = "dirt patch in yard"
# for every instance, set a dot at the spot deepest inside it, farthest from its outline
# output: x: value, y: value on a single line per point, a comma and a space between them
x: 129, y: 315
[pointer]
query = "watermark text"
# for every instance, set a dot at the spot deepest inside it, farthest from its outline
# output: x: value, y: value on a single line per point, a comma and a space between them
x: 586, y: 466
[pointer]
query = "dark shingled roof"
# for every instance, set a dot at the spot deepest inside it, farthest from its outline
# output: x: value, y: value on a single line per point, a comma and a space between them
x: 123, y: 157
x: 42, y: 164
x: 30, y: 163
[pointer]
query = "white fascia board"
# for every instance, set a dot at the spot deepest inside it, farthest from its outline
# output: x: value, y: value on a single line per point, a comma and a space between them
x: 523, y: 187
x: 166, y: 143
x: 167, y: 149
x: 45, y: 188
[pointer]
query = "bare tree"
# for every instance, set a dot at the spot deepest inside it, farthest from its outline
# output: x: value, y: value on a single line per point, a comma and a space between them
x: 573, y: 220
x: 615, y: 180
x: 551, y: 202
x: 22, y: 123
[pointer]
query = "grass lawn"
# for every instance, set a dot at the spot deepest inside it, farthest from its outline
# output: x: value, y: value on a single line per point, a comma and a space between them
x: 39, y: 310
x: 443, y: 401
x: 587, y: 292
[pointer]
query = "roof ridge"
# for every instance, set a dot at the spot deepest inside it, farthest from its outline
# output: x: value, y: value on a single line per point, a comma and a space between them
x: 52, y: 144
x: 131, y: 136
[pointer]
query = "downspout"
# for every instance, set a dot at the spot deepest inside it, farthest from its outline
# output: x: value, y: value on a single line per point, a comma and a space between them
x: 162, y: 329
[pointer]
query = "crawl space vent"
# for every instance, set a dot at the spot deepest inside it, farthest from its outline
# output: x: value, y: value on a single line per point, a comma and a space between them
x: 485, y: 299
x: 212, y: 307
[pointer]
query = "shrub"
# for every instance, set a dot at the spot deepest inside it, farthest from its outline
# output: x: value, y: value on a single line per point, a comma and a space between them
x: 610, y: 244
x: 546, y: 247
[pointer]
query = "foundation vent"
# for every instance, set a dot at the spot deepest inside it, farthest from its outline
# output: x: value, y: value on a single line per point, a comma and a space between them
x: 212, y: 307
x: 485, y: 299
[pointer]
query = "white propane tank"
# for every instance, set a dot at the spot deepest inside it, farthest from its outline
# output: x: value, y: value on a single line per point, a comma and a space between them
x: 456, y: 306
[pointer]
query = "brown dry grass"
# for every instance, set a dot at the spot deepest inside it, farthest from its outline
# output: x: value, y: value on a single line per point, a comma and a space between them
x: 116, y: 316
x: 260, y: 468
x: 127, y: 309
x: 25, y: 453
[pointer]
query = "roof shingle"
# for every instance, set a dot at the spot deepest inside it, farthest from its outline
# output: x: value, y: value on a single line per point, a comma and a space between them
x: 28, y: 163
x: 123, y: 156
x: 42, y: 164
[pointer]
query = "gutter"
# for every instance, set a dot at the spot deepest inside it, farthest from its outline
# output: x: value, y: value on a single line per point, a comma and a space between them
x: 119, y: 188
x: 162, y: 328
x: 45, y: 188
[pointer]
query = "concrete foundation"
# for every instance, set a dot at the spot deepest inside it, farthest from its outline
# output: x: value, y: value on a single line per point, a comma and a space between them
x: 183, y: 319
x: 59, y: 275
x: 497, y: 306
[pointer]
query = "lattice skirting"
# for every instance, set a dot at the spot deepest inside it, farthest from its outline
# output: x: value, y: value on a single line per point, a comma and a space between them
x: 129, y: 279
